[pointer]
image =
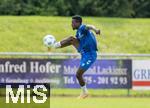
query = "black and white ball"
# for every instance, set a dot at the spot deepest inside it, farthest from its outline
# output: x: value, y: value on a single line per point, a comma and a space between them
x: 49, y: 40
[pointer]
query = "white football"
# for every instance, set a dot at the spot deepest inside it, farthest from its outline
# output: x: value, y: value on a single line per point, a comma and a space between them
x: 49, y: 40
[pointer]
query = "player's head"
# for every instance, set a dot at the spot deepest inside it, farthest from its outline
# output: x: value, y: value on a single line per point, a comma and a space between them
x: 76, y: 21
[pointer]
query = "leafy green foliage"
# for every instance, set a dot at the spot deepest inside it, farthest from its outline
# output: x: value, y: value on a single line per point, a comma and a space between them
x: 107, y: 8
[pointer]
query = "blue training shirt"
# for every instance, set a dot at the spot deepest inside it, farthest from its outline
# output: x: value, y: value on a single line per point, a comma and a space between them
x: 87, y: 40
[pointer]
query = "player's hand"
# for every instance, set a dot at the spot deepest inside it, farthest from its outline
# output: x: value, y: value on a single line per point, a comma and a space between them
x: 98, y: 31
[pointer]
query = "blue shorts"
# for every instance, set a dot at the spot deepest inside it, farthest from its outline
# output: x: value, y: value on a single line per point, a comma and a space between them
x: 87, y: 59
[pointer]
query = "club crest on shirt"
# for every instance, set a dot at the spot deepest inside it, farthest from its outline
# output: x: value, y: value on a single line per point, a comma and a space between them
x: 80, y: 35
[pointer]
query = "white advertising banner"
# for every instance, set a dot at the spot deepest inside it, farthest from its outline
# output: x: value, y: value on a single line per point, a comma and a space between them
x: 141, y: 74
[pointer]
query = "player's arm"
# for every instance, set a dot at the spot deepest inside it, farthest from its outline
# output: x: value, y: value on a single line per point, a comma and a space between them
x: 91, y: 27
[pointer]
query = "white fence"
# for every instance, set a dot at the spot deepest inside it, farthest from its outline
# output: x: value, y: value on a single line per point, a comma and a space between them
x: 100, y: 55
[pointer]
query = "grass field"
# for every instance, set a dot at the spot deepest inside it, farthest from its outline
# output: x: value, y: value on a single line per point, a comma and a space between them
x: 91, y: 102
x: 119, y: 35
x: 101, y: 92
x: 59, y: 100
x: 99, y: 98
x: 72, y: 102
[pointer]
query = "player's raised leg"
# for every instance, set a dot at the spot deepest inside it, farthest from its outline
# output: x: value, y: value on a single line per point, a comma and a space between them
x: 67, y: 42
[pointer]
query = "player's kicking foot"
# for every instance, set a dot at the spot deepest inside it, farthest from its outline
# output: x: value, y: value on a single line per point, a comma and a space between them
x: 83, y: 96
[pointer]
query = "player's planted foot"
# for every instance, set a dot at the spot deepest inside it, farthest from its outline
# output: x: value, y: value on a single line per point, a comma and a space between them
x: 83, y: 95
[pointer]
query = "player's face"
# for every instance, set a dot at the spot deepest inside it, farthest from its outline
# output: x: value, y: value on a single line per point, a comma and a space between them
x: 75, y: 24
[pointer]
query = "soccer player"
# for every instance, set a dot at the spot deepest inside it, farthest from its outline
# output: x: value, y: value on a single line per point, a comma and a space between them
x: 86, y: 45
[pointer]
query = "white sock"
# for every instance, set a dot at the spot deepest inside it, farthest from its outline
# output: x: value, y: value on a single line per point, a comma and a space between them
x: 84, y: 89
x: 57, y: 45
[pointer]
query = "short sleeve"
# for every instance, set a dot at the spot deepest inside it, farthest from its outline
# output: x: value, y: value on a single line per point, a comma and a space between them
x: 83, y: 30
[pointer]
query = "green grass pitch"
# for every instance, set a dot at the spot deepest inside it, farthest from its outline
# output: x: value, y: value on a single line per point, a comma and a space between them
x: 119, y: 35
x: 72, y: 102
x: 99, y: 98
x: 90, y: 102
